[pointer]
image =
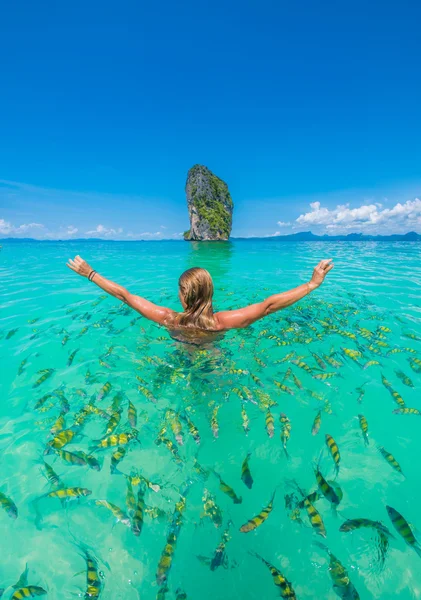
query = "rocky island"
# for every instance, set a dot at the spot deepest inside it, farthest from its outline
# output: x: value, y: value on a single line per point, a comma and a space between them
x: 209, y: 204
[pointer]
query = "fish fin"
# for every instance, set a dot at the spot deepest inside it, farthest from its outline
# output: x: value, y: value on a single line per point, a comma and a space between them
x: 204, y: 560
x: 322, y: 546
x: 417, y: 549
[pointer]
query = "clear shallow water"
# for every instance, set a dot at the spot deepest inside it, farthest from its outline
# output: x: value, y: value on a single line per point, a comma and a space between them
x: 373, y: 285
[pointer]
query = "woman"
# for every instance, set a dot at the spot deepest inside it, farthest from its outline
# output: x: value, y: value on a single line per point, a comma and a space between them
x: 198, y: 323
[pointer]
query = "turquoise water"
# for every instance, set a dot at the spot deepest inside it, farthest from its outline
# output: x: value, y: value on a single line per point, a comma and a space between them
x: 370, y: 305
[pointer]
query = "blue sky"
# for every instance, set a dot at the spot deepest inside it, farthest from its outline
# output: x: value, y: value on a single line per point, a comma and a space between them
x: 309, y: 111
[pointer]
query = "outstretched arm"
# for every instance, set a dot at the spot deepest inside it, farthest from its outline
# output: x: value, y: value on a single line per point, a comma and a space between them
x: 151, y: 311
x: 233, y: 319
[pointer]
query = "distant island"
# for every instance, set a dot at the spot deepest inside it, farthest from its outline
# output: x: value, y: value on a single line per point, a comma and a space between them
x: 302, y: 236
x: 210, y: 206
x: 307, y: 236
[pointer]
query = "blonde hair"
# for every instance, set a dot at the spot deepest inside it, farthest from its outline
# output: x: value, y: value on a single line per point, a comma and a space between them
x: 196, y: 287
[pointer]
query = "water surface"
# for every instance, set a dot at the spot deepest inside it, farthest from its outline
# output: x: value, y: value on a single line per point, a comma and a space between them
x: 368, y: 310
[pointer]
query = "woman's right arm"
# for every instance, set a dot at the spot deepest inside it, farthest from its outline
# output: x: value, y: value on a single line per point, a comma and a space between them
x: 153, y: 312
x: 243, y: 317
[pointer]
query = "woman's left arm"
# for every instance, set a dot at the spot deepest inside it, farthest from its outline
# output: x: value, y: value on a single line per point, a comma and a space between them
x: 159, y: 314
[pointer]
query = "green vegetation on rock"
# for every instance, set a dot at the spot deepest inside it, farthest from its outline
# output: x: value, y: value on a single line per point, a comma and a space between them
x: 210, y: 205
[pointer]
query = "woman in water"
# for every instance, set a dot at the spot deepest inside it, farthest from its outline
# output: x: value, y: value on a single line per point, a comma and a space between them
x: 198, y: 323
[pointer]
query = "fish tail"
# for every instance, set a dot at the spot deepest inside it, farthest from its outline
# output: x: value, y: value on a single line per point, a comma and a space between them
x: 417, y: 549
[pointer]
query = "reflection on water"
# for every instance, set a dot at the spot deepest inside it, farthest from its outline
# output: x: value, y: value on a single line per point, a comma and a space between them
x: 214, y: 256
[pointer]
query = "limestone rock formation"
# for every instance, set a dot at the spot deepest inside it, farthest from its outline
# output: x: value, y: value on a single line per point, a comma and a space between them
x: 209, y: 204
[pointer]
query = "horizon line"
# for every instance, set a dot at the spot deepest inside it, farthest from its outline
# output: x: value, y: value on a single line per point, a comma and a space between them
x: 357, y: 236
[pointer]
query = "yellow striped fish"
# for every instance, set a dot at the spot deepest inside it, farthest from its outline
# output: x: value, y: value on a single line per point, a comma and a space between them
x: 284, y: 586
x: 93, y: 581
x: 259, y: 519
x: 132, y: 415
x: 45, y: 374
x: 137, y: 519
x: 316, y: 423
x: 270, y: 423
x: 330, y: 492
x: 60, y: 440
x: 69, y: 493
x: 390, y: 459
x: 104, y: 391
x: 283, y: 387
x: 334, y: 451
x: 316, y: 520
x: 115, y: 510
x: 246, y: 477
x: 8, y: 505
x: 28, y: 592
x: 406, y: 410
x: 342, y: 584
x: 285, y: 431
x: 364, y: 428
x: 404, y: 529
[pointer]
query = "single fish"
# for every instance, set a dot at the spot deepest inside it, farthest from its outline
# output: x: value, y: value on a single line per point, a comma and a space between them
x: 270, y: 423
x: 404, y: 378
x: 403, y: 528
x: 285, y: 432
x: 334, y: 451
x: 93, y: 581
x: 224, y: 487
x: 116, y: 512
x: 352, y: 524
x: 246, y: 477
x: 72, y: 357
x: 259, y: 519
x: 69, y: 493
x: 8, y: 505
x: 342, y: 585
x: 283, y: 387
x: 104, y: 391
x: 245, y: 420
x: 405, y: 410
x: 315, y: 518
x: 390, y: 459
x: 60, y: 440
x: 137, y: 520
x: 116, y: 458
x: 45, y: 374
x: 316, y: 423
x: 211, y: 509
x: 28, y: 592
x: 364, y: 428
x: 329, y: 492
x: 132, y: 415
x: 284, y: 586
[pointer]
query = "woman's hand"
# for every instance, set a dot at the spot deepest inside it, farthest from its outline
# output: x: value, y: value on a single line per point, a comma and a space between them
x: 80, y: 266
x: 320, y: 273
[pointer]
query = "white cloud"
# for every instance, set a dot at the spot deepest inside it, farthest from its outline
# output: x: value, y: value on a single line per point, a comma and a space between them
x: 163, y: 227
x: 273, y: 234
x: 283, y: 224
x: 71, y: 230
x: 103, y: 231
x: 7, y: 228
x: 371, y: 218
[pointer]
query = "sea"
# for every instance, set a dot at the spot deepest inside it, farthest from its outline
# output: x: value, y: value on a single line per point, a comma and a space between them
x: 281, y: 461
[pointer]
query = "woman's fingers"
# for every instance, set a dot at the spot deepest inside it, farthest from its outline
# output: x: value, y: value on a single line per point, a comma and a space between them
x: 70, y: 267
x: 325, y: 263
x: 329, y: 268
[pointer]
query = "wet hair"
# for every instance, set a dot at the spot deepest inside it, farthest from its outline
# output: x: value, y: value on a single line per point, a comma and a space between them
x: 196, y: 288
